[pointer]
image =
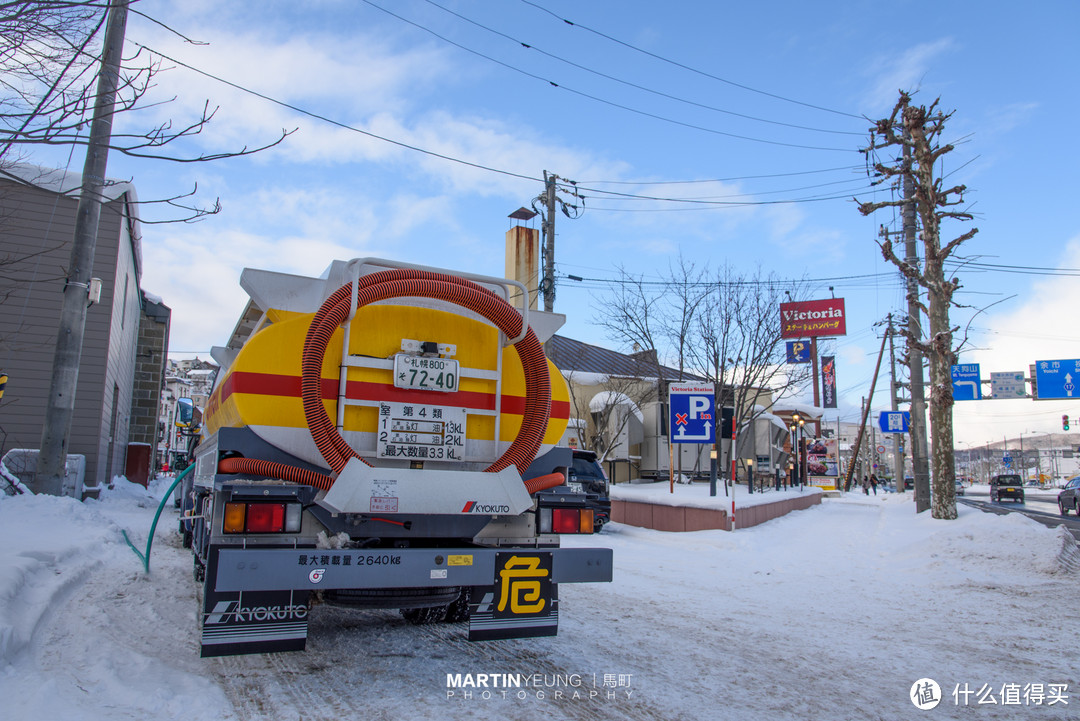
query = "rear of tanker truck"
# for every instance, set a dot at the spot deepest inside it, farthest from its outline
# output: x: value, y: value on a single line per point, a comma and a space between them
x: 383, y: 436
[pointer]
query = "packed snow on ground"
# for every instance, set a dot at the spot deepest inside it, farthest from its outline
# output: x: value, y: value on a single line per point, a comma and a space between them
x: 834, y: 612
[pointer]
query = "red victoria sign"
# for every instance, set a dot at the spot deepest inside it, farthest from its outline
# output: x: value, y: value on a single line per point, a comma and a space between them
x: 812, y: 318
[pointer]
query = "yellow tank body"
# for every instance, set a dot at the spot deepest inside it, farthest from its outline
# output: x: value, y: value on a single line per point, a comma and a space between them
x: 261, y: 389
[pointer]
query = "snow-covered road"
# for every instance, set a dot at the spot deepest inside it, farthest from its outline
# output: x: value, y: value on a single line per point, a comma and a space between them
x: 830, y: 613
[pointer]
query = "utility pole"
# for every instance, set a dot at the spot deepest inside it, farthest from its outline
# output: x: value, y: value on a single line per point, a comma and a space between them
x: 919, y: 455
x: 549, y: 242
x: 52, y: 458
x: 865, y: 414
x: 898, y: 442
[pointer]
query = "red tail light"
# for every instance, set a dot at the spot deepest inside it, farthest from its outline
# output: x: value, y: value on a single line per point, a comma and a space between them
x: 265, y: 518
x: 261, y: 517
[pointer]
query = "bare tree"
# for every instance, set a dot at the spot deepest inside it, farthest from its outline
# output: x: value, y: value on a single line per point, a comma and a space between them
x: 630, y: 312
x: 687, y: 289
x: 737, y: 342
x: 917, y: 131
x: 50, y: 55
x: 724, y: 327
x: 607, y: 403
x: 57, y: 77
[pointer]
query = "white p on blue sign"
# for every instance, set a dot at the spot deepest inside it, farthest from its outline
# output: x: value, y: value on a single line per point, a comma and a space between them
x: 692, y: 413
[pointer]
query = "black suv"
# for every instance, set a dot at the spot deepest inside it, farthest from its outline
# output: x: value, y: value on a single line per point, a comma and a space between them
x: 1005, y: 486
x: 586, y: 476
x: 1070, y: 497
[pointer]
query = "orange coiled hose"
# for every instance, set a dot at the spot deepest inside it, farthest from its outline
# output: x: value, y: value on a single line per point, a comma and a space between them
x: 542, y: 483
x: 399, y: 283
x: 275, y: 470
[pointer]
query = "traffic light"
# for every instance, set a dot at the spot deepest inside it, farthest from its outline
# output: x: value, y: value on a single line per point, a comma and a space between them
x: 1065, y: 422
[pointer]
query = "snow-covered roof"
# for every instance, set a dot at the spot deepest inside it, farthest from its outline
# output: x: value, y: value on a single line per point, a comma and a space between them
x: 760, y: 412
x: 69, y: 185
x: 613, y: 398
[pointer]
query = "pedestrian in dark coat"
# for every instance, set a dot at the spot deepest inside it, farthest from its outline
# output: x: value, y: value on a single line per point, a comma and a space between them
x: 873, y: 483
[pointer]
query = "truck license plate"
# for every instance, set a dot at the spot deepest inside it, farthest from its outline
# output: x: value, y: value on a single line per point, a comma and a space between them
x: 426, y: 374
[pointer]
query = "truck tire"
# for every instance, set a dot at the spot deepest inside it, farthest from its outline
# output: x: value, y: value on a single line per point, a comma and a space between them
x: 424, y: 616
x: 458, y: 611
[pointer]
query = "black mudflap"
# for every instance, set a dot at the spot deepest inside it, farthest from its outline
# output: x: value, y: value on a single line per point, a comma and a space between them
x: 522, y: 603
x: 241, y: 622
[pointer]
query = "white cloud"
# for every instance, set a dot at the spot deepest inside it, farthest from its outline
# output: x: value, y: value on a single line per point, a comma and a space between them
x: 903, y: 71
x: 1015, y: 339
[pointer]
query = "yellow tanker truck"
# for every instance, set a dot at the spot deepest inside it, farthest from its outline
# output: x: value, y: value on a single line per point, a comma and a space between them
x: 383, y: 436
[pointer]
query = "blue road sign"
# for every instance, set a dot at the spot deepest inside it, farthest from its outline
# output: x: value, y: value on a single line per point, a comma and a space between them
x: 798, y: 351
x: 966, y: 383
x: 692, y: 413
x: 1057, y: 378
x: 1007, y: 460
x: 894, y: 421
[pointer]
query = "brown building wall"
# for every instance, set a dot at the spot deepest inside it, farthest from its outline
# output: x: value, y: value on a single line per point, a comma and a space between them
x: 36, y: 231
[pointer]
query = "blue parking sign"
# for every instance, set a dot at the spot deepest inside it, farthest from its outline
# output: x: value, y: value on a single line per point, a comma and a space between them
x: 798, y: 351
x: 692, y: 413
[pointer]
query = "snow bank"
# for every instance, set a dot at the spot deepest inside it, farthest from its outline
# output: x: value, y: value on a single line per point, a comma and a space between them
x: 829, y: 613
x: 49, y: 544
x: 696, y: 495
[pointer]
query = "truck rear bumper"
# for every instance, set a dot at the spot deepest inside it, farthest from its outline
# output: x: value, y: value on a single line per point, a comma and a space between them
x: 309, y: 569
x: 255, y: 599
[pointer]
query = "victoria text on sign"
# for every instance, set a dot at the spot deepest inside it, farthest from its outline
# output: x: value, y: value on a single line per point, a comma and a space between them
x: 813, y: 319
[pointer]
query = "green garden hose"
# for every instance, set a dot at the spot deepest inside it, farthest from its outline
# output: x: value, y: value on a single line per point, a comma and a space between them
x: 161, y: 506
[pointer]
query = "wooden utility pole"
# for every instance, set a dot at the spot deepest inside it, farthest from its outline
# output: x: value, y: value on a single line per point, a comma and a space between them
x: 549, y: 241
x: 865, y: 414
x: 898, y: 442
x: 920, y: 465
x: 52, y: 458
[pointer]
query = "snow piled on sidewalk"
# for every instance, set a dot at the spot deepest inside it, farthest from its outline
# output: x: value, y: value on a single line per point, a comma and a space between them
x: 80, y: 621
x: 828, y: 613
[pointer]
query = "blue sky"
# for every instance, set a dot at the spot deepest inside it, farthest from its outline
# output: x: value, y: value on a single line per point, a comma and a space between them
x: 477, y: 95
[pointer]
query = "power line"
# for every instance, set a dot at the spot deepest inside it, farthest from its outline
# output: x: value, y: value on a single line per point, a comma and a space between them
x: 691, y: 69
x: 1020, y: 269
x: 443, y: 156
x: 530, y: 46
x: 764, y: 192
x: 737, y: 283
x: 717, y: 180
x: 709, y: 203
x: 603, y: 101
x: 336, y: 123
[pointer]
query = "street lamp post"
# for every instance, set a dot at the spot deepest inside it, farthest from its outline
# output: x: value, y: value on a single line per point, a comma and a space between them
x: 798, y: 424
x: 795, y: 451
x: 791, y: 475
x: 750, y: 474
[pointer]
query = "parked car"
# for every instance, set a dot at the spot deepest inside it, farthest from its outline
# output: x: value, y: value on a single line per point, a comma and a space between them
x: 1069, y: 497
x: 589, y: 478
x: 959, y: 488
x: 1006, y: 485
